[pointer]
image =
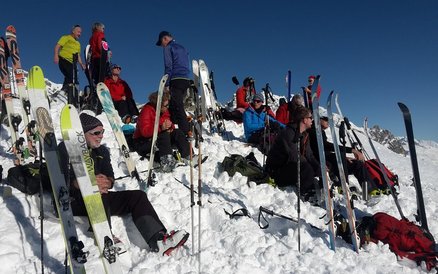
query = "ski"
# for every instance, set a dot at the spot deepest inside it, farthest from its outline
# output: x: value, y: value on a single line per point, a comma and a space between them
x: 14, y: 119
x: 11, y: 38
x: 40, y: 109
x: 382, y: 168
x: 345, y: 188
x: 116, y: 122
x: 208, y: 103
x: 151, y: 176
x: 324, y: 173
x: 289, y: 85
x: 421, y: 210
x: 83, y: 168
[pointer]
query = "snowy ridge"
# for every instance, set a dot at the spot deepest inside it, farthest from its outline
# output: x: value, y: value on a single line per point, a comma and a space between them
x: 228, y: 245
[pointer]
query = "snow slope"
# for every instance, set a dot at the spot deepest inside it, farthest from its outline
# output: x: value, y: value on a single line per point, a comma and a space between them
x: 228, y: 245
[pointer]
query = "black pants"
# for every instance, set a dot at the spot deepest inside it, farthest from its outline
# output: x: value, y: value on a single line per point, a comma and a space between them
x: 165, y: 140
x: 354, y: 167
x: 121, y: 203
x: 126, y: 107
x: 178, y: 90
x: 99, y: 69
x: 67, y: 70
x: 287, y: 176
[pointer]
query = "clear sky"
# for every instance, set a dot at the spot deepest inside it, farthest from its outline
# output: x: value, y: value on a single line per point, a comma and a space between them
x: 373, y: 53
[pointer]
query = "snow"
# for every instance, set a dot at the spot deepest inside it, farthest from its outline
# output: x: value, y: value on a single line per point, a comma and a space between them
x: 227, y: 245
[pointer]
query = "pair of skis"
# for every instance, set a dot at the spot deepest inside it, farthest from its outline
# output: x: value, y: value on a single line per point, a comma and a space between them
x: 83, y: 168
x: 19, y: 146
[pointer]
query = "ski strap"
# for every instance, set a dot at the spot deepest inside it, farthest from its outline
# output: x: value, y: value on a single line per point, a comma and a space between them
x: 238, y: 213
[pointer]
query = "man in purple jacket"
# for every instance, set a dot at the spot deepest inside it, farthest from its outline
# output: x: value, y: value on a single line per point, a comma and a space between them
x: 176, y: 65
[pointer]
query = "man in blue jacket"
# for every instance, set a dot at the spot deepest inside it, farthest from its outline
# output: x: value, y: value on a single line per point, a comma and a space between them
x: 176, y: 65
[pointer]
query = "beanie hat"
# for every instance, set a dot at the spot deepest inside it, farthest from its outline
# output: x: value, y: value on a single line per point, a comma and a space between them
x: 89, y: 122
x: 258, y: 96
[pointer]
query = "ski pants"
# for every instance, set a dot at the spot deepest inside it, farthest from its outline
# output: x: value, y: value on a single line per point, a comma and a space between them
x: 67, y: 70
x: 99, y: 69
x: 354, y: 167
x: 126, y: 107
x: 288, y: 176
x: 121, y: 203
x: 165, y: 140
x: 178, y: 91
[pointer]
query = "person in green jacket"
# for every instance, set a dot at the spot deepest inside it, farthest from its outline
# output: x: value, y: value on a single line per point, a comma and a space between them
x: 66, y: 47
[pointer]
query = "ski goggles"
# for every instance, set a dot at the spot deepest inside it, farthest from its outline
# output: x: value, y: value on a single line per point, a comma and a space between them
x: 97, y: 132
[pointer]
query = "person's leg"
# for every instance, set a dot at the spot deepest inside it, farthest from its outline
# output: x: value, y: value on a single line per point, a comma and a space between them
x: 164, y: 144
x: 132, y: 107
x: 179, y: 139
x: 178, y: 90
x: 142, y: 146
x: 66, y: 69
x: 122, y: 108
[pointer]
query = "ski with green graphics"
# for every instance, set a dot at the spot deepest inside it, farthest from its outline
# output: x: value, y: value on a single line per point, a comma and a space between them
x: 40, y: 109
x: 83, y: 168
x: 116, y: 126
x: 29, y: 125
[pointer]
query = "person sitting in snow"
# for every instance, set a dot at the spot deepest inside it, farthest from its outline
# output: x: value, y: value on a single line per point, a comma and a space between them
x: 255, y: 119
x: 284, y: 110
x: 282, y: 160
x: 168, y: 135
x: 122, y: 95
x: 118, y: 203
x: 354, y: 166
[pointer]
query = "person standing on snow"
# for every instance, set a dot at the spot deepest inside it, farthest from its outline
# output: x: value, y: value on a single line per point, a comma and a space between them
x: 66, y: 47
x: 122, y: 95
x: 176, y: 65
x: 118, y: 203
x: 99, y: 53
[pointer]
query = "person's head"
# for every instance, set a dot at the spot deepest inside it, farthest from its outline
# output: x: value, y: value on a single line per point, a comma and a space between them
x: 165, y: 99
x: 257, y: 100
x: 76, y: 31
x: 311, y: 79
x: 93, y: 130
x: 248, y: 81
x: 164, y: 39
x: 98, y: 27
x: 303, y: 117
x: 282, y: 101
x: 324, y: 122
x: 115, y: 70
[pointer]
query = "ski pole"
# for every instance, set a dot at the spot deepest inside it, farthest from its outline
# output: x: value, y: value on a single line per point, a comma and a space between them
x: 192, y: 194
x: 41, y: 211
x: 299, y: 190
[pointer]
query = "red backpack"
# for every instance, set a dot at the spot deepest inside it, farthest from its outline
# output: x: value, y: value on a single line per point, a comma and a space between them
x: 404, y: 238
x: 376, y: 175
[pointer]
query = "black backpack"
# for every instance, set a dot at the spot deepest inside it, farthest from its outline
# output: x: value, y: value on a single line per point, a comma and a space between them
x: 247, y: 166
x: 26, y: 178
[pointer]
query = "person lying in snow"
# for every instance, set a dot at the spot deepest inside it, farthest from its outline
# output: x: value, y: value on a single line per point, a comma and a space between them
x: 118, y: 203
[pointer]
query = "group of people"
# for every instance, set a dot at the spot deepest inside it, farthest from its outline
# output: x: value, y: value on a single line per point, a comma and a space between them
x: 174, y: 129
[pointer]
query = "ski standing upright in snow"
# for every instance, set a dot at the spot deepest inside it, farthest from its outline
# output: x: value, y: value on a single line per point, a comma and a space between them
x: 83, y: 168
x: 40, y: 109
x: 345, y: 188
x: 11, y: 38
x: 421, y: 210
x: 151, y: 176
x: 324, y: 174
x: 116, y: 122
x: 382, y: 168
x: 14, y: 119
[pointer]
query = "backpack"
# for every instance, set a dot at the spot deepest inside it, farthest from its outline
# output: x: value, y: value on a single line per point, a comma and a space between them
x: 377, y: 180
x: 247, y: 166
x: 404, y: 238
x: 26, y: 178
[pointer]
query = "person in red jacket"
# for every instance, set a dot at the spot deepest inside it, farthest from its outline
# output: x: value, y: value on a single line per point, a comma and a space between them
x: 99, y: 53
x: 308, y: 91
x: 122, y: 95
x: 286, y: 110
x: 244, y: 94
x: 168, y: 135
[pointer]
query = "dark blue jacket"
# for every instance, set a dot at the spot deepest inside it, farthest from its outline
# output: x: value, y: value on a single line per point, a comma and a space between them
x: 176, y: 62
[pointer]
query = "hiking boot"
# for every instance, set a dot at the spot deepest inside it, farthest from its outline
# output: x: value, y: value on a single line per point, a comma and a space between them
x: 172, y: 241
x: 168, y: 163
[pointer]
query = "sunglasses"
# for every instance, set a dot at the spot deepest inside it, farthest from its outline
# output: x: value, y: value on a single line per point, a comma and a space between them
x: 165, y: 106
x: 97, y: 133
x: 257, y: 101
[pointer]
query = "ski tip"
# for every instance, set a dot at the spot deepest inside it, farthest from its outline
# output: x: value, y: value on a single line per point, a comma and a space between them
x: 402, y: 106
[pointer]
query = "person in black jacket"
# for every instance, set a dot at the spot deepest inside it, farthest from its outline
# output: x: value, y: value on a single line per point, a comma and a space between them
x: 281, y: 163
x: 119, y: 203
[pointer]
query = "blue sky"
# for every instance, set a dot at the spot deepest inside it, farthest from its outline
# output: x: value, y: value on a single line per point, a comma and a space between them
x: 373, y: 53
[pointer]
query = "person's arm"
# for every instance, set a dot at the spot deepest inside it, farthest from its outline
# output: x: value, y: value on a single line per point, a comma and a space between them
x: 80, y: 61
x: 56, y: 57
x: 168, y: 63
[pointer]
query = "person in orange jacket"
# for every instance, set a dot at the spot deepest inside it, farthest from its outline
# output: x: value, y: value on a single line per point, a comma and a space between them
x: 122, y: 95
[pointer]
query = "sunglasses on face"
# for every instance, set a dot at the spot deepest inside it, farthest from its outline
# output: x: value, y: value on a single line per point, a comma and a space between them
x: 97, y: 133
x: 257, y: 101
